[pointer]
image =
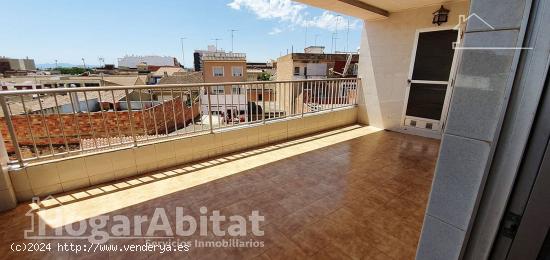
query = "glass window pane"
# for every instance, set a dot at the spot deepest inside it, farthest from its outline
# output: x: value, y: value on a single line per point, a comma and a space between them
x: 426, y: 100
x: 237, y: 71
x: 217, y: 90
x: 434, y: 55
x: 218, y: 71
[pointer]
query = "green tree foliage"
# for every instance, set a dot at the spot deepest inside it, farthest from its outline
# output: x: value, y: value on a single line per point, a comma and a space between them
x: 265, y: 76
x: 72, y: 71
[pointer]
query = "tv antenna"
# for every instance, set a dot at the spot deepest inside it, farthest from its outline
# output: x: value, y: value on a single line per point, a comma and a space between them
x: 316, y: 35
x: 336, y: 37
x: 216, y: 40
x: 232, y: 31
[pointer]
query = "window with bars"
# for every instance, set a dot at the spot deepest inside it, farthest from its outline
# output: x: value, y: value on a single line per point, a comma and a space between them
x: 237, y: 71
x: 218, y: 90
x: 217, y: 71
x: 236, y: 89
x: 296, y: 71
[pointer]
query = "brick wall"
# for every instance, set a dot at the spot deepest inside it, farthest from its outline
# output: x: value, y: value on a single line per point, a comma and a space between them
x: 88, y: 125
x: 253, y: 95
x: 313, y: 97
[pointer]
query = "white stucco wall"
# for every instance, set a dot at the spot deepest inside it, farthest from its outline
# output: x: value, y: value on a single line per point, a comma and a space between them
x: 386, y: 49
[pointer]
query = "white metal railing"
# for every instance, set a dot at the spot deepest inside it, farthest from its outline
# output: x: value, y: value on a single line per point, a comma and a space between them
x: 60, y: 122
x: 223, y: 55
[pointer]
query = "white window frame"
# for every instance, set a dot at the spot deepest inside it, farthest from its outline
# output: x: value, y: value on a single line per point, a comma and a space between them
x: 237, y: 67
x: 439, y: 124
x: 214, y: 71
x: 218, y: 90
x: 237, y: 88
x: 299, y: 71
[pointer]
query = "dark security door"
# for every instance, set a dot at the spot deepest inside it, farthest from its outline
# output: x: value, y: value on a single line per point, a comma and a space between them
x: 428, y: 91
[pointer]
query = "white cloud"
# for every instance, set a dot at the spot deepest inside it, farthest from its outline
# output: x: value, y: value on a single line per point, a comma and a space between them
x: 292, y: 13
x: 275, y: 31
x: 285, y: 10
x: 329, y: 21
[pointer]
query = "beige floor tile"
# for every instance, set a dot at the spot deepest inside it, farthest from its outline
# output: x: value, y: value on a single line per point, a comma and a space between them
x: 350, y: 193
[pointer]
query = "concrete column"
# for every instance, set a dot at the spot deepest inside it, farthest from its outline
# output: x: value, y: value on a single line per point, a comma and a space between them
x: 7, y: 195
x: 480, y: 99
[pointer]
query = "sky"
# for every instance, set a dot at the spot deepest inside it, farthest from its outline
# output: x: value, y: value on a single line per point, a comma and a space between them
x: 69, y: 30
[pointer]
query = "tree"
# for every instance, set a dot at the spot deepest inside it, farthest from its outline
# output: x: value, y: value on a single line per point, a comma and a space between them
x: 72, y: 71
x: 265, y: 76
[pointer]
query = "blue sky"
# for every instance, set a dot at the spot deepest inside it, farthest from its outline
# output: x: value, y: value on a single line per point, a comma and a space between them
x: 68, y: 30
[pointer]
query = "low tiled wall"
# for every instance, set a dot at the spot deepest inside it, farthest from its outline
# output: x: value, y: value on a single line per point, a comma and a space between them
x: 64, y: 175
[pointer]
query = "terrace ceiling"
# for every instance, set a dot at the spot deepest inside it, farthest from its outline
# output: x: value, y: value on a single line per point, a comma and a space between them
x: 371, y: 9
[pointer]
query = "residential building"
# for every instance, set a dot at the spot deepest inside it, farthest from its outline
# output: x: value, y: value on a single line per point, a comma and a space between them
x: 44, y: 82
x: 253, y: 74
x: 315, y: 64
x: 57, y: 81
x: 10, y: 66
x: 315, y: 49
x: 51, y: 82
x: 228, y: 101
x: 197, y: 56
x: 255, y: 69
x: 159, y: 72
x: 221, y: 67
x: 183, y: 78
x: 260, y: 65
x: 133, y: 62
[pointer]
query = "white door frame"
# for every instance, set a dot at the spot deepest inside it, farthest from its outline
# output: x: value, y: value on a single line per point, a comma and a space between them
x: 435, y: 132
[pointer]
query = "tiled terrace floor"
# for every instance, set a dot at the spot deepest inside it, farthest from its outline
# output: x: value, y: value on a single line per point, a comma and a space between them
x: 352, y: 193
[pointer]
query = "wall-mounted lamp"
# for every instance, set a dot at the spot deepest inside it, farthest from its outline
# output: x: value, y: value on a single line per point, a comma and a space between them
x: 440, y: 16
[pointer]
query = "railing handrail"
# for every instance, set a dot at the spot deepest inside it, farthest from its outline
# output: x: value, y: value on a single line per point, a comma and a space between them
x: 160, y: 86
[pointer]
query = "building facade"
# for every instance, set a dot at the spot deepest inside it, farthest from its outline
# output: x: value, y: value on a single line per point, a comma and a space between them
x: 132, y: 62
x: 8, y: 64
x: 197, y: 56
x: 314, y: 64
x: 229, y: 101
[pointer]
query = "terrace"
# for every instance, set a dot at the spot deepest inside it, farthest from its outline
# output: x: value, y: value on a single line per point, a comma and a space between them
x: 339, y: 168
x: 301, y: 165
x: 309, y: 190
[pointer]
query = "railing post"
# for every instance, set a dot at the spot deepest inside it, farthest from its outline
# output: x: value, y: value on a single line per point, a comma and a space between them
x: 209, y: 109
x: 263, y: 102
x: 332, y: 95
x: 11, y: 130
x: 303, y: 98
x: 129, y: 104
x: 358, y: 89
